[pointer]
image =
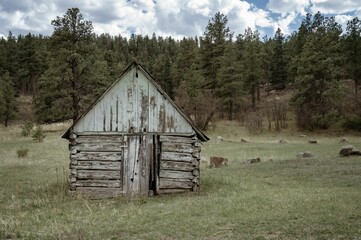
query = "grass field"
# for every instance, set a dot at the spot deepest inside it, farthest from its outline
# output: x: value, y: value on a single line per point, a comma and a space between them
x: 281, y: 198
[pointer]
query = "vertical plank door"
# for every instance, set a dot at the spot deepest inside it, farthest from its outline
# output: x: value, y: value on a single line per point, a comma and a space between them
x: 137, y: 164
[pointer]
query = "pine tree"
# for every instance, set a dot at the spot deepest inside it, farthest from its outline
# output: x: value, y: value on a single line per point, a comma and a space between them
x: 229, y: 77
x: 71, y: 40
x: 318, y: 73
x: 212, y: 48
x: 72, y: 70
x: 278, y: 64
x: 352, y: 51
x: 252, y: 63
x: 7, y: 99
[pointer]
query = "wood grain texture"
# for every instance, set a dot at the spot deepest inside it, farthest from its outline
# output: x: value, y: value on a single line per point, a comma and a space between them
x: 175, y: 174
x: 97, y: 165
x: 97, y: 174
x: 97, y: 156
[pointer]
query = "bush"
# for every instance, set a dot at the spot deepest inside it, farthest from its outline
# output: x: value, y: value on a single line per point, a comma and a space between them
x: 352, y: 123
x: 324, y: 121
x: 26, y: 128
x: 22, y: 152
x: 254, y: 123
x: 38, y: 135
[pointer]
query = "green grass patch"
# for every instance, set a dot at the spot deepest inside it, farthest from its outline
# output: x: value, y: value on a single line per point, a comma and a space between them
x: 286, y: 198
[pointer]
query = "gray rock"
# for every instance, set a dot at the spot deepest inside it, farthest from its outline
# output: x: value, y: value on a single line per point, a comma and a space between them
x: 349, y: 150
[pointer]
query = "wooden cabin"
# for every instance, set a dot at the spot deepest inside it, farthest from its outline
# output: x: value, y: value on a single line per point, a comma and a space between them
x: 134, y: 141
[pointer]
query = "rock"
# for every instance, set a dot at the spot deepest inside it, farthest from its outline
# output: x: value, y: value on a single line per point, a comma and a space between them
x: 253, y: 160
x: 349, y: 150
x: 302, y: 135
x: 282, y: 141
x: 343, y: 140
x: 306, y: 154
x: 219, y: 139
x: 313, y: 141
x: 244, y: 140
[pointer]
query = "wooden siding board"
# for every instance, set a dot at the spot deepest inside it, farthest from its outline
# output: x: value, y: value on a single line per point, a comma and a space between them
x: 98, y: 174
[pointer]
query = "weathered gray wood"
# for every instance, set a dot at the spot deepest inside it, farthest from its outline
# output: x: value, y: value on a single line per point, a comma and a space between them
x: 98, y: 192
x: 177, y: 139
x: 99, y: 133
x: 175, y: 174
x: 98, y: 183
x: 97, y: 156
x: 97, y: 174
x: 96, y: 165
x: 99, y: 139
x: 195, y: 172
x: 174, y: 190
x: 73, y: 149
x: 177, y: 166
x: 177, y: 147
x: 99, y: 147
x: 172, y: 156
x: 166, y: 183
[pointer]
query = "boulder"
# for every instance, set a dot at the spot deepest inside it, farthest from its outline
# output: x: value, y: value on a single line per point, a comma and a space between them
x: 244, y: 140
x: 343, y: 140
x: 253, y: 160
x: 349, y: 150
x: 219, y: 139
x: 306, y: 154
x: 313, y: 141
x: 282, y: 141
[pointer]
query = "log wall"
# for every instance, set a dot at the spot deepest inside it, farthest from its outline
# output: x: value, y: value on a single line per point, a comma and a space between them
x: 96, y: 165
x: 179, y: 164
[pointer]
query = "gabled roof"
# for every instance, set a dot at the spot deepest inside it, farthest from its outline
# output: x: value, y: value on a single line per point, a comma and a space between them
x: 136, y: 65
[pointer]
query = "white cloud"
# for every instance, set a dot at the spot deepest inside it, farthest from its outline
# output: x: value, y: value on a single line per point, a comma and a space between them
x: 284, y: 7
x: 335, y: 7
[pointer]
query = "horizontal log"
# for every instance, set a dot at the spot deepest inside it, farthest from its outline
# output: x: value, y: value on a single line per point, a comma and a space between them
x: 99, y: 139
x: 97, y: 156
x: 99, y: 133
x: 98, y: 174
x: 195, y: 172
x: 99, y: 147
x: 97, y: 192
x: 176, y: 190
x: 175, y: 174
x: 177, y: 147
x: 166, y: 183
x: 196, y: 154
x: 177, y: 139
x: 177, y: 166
x: 98, y: 183
x: 172, y: 156
x: 96, y: 165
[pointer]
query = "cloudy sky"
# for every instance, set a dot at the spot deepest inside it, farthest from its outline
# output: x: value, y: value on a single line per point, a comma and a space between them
x: 175, y: 18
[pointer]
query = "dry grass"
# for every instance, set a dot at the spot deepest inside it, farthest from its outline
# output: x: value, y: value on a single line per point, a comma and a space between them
x: 286, y: 198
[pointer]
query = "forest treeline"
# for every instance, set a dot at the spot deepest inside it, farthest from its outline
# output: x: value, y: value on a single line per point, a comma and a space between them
x: 216, y: 75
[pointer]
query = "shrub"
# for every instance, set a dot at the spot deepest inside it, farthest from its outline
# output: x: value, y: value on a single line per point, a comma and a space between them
x: 26, y: 128
x: 38, y: 135
x: 352, y: 123
x: 22, y: 152
x: 254, y: 123
x: 324, y: 121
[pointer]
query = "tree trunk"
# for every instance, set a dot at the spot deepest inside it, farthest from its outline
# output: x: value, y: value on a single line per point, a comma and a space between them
x: 75, y: 86
x: 230, y: 113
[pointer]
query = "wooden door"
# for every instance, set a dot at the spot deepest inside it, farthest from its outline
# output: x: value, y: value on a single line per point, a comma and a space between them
x: 138, y: 164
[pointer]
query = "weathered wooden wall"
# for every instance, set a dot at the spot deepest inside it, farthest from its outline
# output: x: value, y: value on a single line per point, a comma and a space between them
x: 179, y: 164
x: 133, y: 104
x: 104, y: 165
x: 96, y: 165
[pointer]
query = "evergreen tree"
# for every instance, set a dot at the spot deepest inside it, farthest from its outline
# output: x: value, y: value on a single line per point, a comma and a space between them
x: 71, y: 40
x: 278, y: 64
x: 229, y: 77
x: 70, y: 70
x: 252, y: 63
x: 7, y: 99
x: 212, y: 48
x: 318, y: 73
x: 352, y: 51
